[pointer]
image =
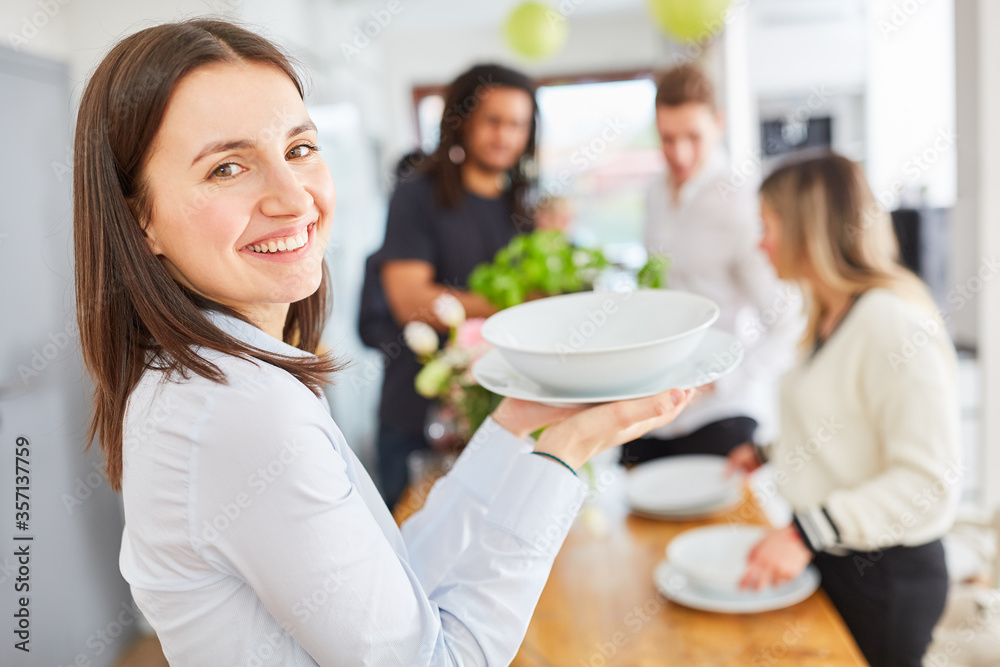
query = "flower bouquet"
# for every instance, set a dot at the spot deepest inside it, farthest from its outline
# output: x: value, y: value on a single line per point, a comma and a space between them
x: 446, y: 374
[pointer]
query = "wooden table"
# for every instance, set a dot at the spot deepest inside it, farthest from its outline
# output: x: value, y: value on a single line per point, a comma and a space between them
x: 600, y: 606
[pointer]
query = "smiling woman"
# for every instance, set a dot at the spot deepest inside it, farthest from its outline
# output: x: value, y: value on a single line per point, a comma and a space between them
x: 253, y: 535
x: 153, y: 217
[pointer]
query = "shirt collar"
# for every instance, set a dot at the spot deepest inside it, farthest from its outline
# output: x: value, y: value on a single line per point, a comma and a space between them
x: 715, y: 163
x: 252, y: 336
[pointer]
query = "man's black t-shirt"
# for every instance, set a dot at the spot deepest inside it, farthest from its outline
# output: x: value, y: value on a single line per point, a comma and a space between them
x: 454, y: 241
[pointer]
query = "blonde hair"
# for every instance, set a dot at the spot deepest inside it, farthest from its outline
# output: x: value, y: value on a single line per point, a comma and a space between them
x: 831, y: 221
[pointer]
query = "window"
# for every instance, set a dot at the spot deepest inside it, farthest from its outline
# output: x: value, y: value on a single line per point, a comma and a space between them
x: 599, y: 149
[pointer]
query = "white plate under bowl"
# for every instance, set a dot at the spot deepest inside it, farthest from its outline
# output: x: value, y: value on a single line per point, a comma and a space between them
x: 714, y: 557
x: 680, y: 483
x: 674, y: 586
x: 600, y: 341
x: 717, y: 355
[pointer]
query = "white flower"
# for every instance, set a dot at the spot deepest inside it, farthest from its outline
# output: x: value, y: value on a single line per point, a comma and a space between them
x: 449, y: 310
x: 455, y: 358
x: 421, y: 338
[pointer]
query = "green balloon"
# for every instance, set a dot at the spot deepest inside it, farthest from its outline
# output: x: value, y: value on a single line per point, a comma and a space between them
x: 535, y: 31
x: 689, y: 21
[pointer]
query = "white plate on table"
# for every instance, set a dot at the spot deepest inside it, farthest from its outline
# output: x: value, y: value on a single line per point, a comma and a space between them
x: 717, y: 355
x: 674, y: 586
x: 682, y: 485
x: 692, y: 513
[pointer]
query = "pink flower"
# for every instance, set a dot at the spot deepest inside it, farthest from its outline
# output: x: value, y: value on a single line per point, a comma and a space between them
x: 470, y: 334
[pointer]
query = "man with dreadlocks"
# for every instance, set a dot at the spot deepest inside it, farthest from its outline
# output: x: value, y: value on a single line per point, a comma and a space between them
x: 462, y: 204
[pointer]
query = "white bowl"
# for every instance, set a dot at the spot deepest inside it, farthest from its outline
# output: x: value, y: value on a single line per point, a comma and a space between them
x: 715, y: 557
x: 589, y: 342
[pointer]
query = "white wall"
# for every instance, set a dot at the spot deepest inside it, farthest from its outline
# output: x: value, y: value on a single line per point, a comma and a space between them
x: 965, y: 218
x: 80, y: 33
x: 28, y: 27
x: 910, y: 98
x: 795, y: 46
x: 987, y: 150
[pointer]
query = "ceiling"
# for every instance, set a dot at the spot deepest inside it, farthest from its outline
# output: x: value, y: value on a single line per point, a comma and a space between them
x: 442, y: 15
x: 438, y: 15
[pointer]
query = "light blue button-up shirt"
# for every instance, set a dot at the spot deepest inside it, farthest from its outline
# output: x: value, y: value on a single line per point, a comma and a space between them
x: 254, y: 536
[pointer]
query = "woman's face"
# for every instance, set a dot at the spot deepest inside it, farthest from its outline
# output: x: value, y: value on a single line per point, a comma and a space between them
x: 241, y: 201
x: 770, y: 242
x: 497, y: 133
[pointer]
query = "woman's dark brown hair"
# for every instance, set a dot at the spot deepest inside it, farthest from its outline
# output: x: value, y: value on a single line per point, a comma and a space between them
x: 133, y: 316
x: 462, y: 99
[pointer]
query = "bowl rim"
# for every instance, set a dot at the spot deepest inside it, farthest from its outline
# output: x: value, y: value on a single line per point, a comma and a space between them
x: 716, y: 312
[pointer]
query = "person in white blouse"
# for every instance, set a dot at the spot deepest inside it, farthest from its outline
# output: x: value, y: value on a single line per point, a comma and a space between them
x: 705, y: 216
x: 253, y: 536
x: 867, y: 453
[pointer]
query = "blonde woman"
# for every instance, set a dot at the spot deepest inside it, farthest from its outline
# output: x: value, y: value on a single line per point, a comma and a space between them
x: 867, y: 453
x: 253, y: 535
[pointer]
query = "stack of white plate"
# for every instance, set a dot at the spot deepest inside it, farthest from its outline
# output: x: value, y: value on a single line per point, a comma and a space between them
x: 682, y: 487
x: 705, y: 565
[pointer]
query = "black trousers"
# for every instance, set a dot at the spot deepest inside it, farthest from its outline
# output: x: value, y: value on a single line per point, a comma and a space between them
x: 890, y: 600
x: 393, y: 447
x: 716, y: 438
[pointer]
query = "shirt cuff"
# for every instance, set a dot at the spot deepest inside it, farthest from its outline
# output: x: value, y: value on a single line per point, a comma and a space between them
x: 487, y: 459
x: 817, y: 529
x: 538, y: 503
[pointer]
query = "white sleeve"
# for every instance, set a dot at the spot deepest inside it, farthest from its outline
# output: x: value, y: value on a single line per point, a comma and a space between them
x: 453, y: 513
x: 914, y: 412
x: 307, y: 529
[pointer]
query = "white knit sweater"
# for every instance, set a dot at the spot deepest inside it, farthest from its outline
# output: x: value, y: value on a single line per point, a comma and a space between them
x: 868, y: 452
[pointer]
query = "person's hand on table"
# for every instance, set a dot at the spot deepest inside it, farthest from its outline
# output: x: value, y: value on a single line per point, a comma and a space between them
x: 778, y: 558
x: 742, y: 459
x: 574, y: 435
